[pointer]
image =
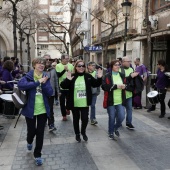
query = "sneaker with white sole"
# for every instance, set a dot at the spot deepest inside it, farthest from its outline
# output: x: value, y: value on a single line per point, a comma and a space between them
x: 52, y: 127
x: 38, y: 161
x: 111, y: 136
x: 94, y: 122
x: 130, y: 126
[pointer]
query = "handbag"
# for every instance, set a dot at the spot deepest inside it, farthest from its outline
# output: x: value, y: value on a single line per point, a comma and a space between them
x: 19, y: 98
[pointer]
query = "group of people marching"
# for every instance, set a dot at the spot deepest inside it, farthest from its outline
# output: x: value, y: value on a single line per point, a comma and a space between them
x: 77, y: 88
x: 9, y: 69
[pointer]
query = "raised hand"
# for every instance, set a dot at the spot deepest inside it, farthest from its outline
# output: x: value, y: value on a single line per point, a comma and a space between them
x: 66, y: 68
x: 68, y: 75
x: 134, y: 74
x: 99, y: 73
x: 43, y: 79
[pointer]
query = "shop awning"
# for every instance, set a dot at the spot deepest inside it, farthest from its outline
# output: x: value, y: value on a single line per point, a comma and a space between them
x: 158, y: 34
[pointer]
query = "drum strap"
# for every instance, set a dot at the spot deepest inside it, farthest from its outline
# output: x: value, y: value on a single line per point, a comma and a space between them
x: 17, y: 120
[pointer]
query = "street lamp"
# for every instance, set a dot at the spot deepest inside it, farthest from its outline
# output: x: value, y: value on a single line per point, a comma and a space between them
x: 82, y: 36
x: 126, y: 5
x: 68, y: 47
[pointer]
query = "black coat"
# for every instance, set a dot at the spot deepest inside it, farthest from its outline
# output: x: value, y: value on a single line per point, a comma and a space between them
x: 90, y: 81
x: 108, y: 86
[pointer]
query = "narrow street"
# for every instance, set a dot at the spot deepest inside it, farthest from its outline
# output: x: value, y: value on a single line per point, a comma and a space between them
x: 145, y: 148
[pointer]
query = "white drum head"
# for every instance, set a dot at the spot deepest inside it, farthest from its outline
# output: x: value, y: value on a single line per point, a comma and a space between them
x: 167, y: 74
x: 152, y: 94
x: 6, y: 97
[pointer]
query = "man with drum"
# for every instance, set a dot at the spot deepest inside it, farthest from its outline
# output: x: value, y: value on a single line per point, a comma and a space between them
x: 161, y: 86
x: 127, y: 70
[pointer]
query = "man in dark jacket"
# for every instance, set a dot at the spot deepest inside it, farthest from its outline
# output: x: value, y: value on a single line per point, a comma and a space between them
x: 95, y: 92
x: 127, y: 70
x: 51, y: 73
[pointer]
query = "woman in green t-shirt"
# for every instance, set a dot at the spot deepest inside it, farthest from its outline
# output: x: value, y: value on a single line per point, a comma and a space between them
x: 38, y: 88
x: 80, y: 95
x: 114, y: 96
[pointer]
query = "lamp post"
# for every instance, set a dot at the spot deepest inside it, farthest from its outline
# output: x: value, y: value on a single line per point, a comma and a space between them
x: 68, y: 47
x: 126, y: 5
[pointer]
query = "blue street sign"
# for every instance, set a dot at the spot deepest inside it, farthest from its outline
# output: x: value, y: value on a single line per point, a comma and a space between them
x: 93, y: 48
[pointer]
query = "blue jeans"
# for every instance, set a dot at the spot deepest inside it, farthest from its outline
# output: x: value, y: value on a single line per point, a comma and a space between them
x: 115, y: 112
x: 128, y: 106
x: 93, y: 107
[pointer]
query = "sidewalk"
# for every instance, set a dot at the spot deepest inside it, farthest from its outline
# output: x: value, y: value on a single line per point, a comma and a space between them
x: 145, y: 148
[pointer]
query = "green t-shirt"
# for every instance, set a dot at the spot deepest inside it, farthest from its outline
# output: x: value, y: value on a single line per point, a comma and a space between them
x: 93, y: 74
x: 60, y: 68
x: 127, y: 73
x: 117, y: 94
x: 39, y: 107
x: 80, y: 92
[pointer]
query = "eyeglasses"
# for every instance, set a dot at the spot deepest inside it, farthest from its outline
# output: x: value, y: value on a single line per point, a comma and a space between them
x: 49, y: 60
x: 117, y: 65
x: 81, y: 66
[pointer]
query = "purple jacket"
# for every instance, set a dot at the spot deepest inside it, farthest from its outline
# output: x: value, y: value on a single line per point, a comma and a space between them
x: 7, y: 76
x: 28, y: 84
x: 162, y: 80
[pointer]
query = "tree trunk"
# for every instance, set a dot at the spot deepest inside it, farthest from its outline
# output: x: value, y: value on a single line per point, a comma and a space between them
x: 14, y: 29
x: 28, y: 52
x: 21, y: 39
x: 148, y: 54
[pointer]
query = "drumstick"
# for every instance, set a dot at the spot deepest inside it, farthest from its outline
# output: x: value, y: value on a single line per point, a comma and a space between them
x: 13, y: 81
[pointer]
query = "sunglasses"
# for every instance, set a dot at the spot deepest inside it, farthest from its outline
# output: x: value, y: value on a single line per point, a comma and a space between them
x: 81, y: 66
x: 49, y: 60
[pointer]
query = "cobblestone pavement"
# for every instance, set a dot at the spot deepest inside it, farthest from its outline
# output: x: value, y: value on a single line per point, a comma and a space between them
x: 145, y: 148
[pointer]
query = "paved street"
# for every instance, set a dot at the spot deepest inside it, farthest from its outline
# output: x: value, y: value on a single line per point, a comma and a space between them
x: 145, y: 148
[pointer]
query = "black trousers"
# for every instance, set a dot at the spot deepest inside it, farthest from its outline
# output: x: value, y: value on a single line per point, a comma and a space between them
x: 83, y: 113
x: 161, y: 96
x: 51, y: 103
x: 35, y: 127
x: 63, y: 98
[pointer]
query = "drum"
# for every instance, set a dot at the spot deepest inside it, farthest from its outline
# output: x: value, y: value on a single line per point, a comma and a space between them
x: 8, y: 107
x: 153, y: 97
x: 167, y: 74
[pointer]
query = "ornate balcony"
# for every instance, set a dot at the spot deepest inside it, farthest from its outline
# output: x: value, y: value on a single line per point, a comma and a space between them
x: 107, y: 3
x: 78, y: 1
x: 105, y: 35
x: 77, y: 18
x: 98, y: 8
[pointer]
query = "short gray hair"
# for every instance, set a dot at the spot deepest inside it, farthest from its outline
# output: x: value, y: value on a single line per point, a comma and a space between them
x: 63, y: 56
x: 47, y: 55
